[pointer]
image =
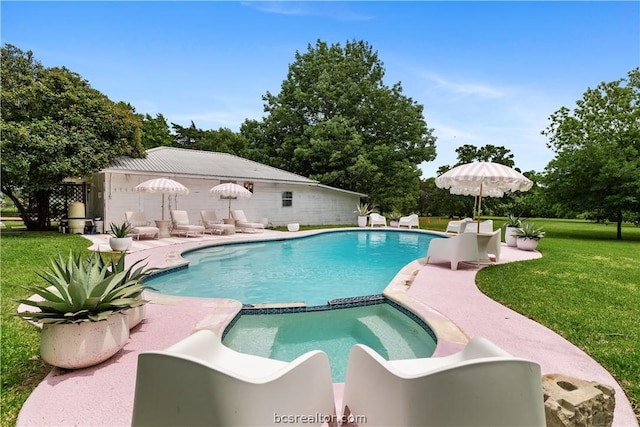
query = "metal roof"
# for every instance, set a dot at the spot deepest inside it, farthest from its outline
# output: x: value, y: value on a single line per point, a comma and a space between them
x: 180, y: 161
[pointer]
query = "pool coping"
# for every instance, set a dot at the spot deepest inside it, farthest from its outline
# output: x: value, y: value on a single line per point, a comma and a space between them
x: 449, y: 301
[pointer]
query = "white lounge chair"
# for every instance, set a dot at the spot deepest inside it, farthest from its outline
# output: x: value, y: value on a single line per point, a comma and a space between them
x: 182, y: 226
x: 243, y: 223
x: 139, y: 225
x: 409, y: 221
x: 213, y: 225
x: 461, y: 247
x: 377, y: 219
x: 200, y: 382
x: 480, y: 386
x: 454, y: 226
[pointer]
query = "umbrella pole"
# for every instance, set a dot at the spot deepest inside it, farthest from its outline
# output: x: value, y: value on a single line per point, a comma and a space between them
x: 479, y: 207
x: 229, y: 207
x: 163, y: 206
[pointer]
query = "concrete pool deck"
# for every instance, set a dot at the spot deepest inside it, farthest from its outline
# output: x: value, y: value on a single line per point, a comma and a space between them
x: 450, y: 301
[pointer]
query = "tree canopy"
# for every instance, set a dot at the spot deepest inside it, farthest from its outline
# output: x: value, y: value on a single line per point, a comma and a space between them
x: 55, y: 126
x: 335, y: 121
x: 597, y: 164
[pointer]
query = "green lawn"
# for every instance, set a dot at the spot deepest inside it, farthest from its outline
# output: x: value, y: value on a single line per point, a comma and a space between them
x: 585, y: 287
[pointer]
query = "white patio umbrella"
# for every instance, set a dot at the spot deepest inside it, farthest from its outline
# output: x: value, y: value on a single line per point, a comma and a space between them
x: 230, y: 190
x: 164, y: 186
x: 483, y: 179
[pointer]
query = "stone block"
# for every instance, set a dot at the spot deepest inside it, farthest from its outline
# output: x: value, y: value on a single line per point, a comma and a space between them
x: 577, y: 403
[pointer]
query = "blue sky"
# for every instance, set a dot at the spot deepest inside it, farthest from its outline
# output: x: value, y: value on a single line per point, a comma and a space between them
x: 485, y: 72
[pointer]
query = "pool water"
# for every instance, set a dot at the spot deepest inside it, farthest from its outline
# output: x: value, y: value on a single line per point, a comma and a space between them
x: 286, y: 336
x: 311, y: 269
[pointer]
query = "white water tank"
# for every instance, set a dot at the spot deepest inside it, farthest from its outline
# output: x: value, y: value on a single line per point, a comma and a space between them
x: 76, y: 217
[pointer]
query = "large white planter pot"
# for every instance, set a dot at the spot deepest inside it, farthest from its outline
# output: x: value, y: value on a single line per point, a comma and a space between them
x: 120, y: 244
x: 362, y: 221
x: 509, y: 236
x: 80, y: 345
x: 293, y: 227
x: 135, y: 315
x: 527, y: 244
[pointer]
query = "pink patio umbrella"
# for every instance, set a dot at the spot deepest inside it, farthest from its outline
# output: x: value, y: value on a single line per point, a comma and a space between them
x: 164, y: 186
x: 483, y: 179
x: 230, y: 190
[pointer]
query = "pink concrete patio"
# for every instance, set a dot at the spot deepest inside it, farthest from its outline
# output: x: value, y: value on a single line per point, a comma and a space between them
x: 448, y: 300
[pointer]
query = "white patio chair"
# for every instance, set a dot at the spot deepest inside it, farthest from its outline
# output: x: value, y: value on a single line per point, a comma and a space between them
x: 243, y: 224
x: 213, y: 225
x: 377, y: 219
x: 200, y: 382
x: 182, y: 226
x: 139, y: 225
x: 409, y: 221
x: 480, y: 386
x: 472, y: 227
x: 462, y: 247
x: 454, y: 226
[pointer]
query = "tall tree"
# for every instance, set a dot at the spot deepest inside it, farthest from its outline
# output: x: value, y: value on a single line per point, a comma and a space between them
x: 55, y: 126
x: 223, y: 140
x: 597, y: 164
x: 155, y: 131
x: 335, y: 120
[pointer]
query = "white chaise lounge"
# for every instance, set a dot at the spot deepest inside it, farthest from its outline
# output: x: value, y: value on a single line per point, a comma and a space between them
x: 480, y: 386
x: 182, y: 226
x: 213, y: 225
x: 200, y: 382
x: 137, y: 222
x: 243, y: 224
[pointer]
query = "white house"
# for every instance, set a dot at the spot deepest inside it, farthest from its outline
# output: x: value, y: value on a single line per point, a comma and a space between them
x: 279, y: 197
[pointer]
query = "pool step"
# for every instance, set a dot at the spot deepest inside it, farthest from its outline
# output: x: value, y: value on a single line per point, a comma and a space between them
x: 390, y: 338
x: 256, y: 340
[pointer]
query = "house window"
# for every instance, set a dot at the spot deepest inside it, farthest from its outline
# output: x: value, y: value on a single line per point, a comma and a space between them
x: 248, y: 186
x: 287, y: 199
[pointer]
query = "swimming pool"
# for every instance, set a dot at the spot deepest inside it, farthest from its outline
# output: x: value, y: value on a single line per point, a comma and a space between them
x: 312, y: 269
x: 382, y: 327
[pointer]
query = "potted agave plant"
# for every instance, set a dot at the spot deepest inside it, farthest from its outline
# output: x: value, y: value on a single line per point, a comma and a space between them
x: 363, y: 210
x: 510, y: 227
x: 394, y: 218
x: 83, y: 310
x: 528, y: 236
x: 121, y: 241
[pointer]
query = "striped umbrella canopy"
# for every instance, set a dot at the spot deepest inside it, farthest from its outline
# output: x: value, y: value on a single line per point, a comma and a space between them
x: 480, y: 179
x: 230, y: 190
x: 164, y: 186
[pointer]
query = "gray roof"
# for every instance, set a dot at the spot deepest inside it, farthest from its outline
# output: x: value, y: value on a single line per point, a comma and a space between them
x: 180, y: 161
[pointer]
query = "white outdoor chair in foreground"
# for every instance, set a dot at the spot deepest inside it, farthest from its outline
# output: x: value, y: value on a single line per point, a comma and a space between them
x: 182, y: 226
x: 409, y: 221
x: 462, y: 247
x: 480, y: 386
x: 377, y: 219
x: 139, y: 225
x: 243, y: 223
x: 200, y: 382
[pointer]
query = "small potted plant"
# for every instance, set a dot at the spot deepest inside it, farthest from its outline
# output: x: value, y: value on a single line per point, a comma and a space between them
x: 528, y: 236
x: 510, y: 227
x: 82, y: 309
x: 394, y: 218
x: 363, y: 210
x: 121, y: 241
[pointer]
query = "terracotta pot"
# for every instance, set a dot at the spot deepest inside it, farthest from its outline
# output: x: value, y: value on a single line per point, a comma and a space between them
x: 120, y: 244
x: 80, y: 345
x: 526, y: 244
